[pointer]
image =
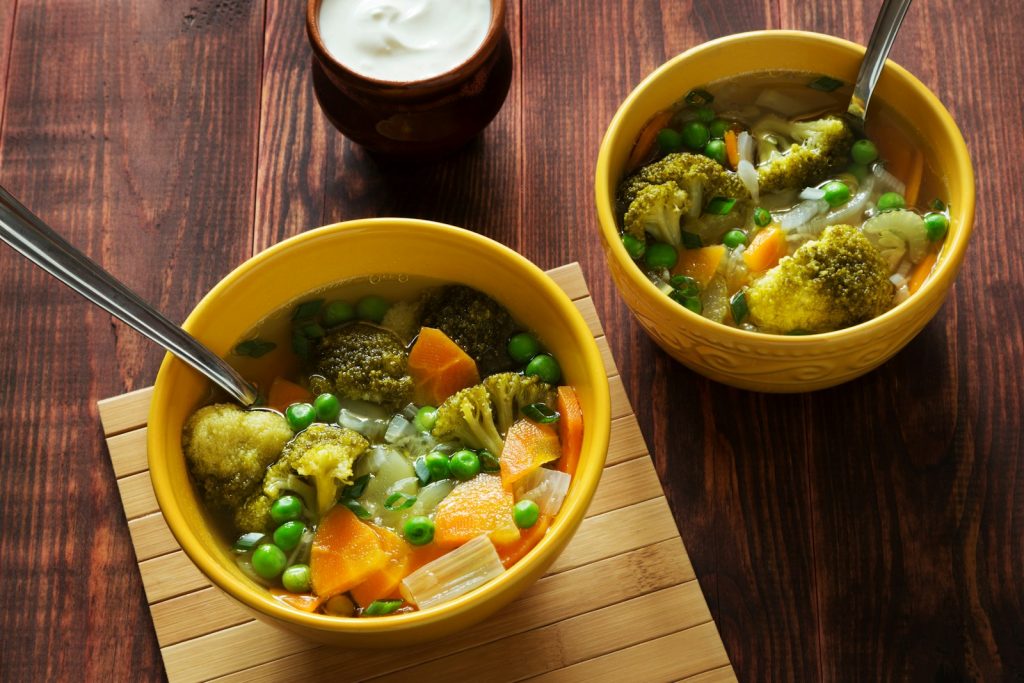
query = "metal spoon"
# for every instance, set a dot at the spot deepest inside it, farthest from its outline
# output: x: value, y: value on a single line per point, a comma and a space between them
x: 39, y: 243
x: 888, y: 22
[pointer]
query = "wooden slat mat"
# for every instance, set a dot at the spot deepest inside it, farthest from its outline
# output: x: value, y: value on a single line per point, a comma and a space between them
x: 621, y: 602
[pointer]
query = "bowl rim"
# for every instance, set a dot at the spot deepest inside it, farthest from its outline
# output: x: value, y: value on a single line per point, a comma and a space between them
x: 941, y: 277
x: 585, y: 480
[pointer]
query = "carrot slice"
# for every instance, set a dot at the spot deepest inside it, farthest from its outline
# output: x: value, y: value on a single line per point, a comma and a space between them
x: 732, y: 148
x: 700, y: 264
x: 300, y: 601
x: 284, y: 393
x: 478, y: 506
x: 420, y: 555
x: 345, y: 553
x: 528, y: 445
x: 765, y: 250
x: 384, y: 582
x: 645, y: 141
x: 439, y: 367
x: 922, y: 270
x: 513, y: 552
x: 570, y: 429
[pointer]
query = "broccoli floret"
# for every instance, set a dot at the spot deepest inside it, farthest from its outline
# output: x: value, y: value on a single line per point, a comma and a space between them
x: 510, y: 391
x: 476, y: 322
x: 362, y: 362
x: 228, y: 450
x: 467, y: 417
x: 403, y: 318
x: 793, y: 155
x: 833, y: 282
x: 254, y: 513
x: 655, y: 198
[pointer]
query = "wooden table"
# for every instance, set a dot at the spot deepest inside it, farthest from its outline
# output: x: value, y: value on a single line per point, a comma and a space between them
x: 870, y: 531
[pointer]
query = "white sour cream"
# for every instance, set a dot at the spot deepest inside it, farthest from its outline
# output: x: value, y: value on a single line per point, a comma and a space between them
x: 403, y: 40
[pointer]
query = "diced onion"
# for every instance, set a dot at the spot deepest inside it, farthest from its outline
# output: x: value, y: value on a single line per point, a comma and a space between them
x: 812, y: 193
x: 745, y: 146
x: 897, y: 279
x: 371, y: 428
x: 802, y: 213
x: 748, y: 176
x: 902, y: 294
x: 399, y: 428
x: 546, y: 488
x: 409, y: 411
x: 453, y: 574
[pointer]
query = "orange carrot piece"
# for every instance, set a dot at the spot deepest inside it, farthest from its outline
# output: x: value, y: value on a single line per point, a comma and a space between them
x: 700, y: 264
x: 384, y: 582
x: 765, y: 250
x: 283, y: 393
x: 420, y: 555
x: 570, y: 429
x: 732, y: 148
x: 645, y: 141
x: 439, y: 367
x: 345, y: 553
x: 300, y: 601
x: 478, y: 506
x: 913, y: 178
x: 513, y: 552
x: 528, y: 445
x: 922, y: 270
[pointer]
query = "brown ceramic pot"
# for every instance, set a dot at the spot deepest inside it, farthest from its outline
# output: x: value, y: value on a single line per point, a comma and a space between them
x: 414, y: 118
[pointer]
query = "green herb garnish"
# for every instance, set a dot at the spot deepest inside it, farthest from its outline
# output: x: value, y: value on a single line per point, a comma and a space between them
x: 307, y: 309
x: 720, y: 206
x: 738, y: 304
x: 247, y: 542
x: 399, y: 501
x: 691, y: 240
x: 379, y: 608
x: 254, y: 348
x: 356, y: 488
x: 825, y: 84
x: 540, y: 413
x: 488, y: 462
x: 699, y: 98
x: 356, y: 508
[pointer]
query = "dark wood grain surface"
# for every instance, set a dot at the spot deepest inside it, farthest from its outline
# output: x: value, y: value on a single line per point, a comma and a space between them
x: 871, y: 531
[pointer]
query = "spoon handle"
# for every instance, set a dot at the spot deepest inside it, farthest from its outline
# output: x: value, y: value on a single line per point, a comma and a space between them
x: 890, y: 16
x: 39, y: 243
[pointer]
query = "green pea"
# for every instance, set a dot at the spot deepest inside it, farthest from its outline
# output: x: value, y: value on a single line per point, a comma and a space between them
x: 863, y: 152
x: 299, y: 416
x: 762, y: 217
x: 288, y: 535
x: 372, y: 308
x: 338, y: 312
x: 734, y: 238
x: 936, y: 225
x: 836, y: 193
x: 661, y: 255
x: 327, y: 407
x: 718, y: 128
x: 715, y: 149
x: 464, y: 465
x: 890, y: 201
x: 524, y: 346
x: 418, y: 530
x: 425, y: 418
x: 634, y: 247
x: 669, y: 140
x: 545, y: 367
x: 438, y: 466
x: 695, y: 135
x: 296, y: 578
x: 268, y: 561
x: 525, y: 513
x: 285, y: 509
x: 705, y: 114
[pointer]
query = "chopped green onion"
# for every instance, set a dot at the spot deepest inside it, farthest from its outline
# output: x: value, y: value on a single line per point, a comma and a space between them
x: 690, y: 302
x: 691, y: 240
x: 698, y: 97
x: 399, y: 501
x: 379, y: 608
x: 307, y: 309
x: 312, y: 331
x: 720, y: 206
x: 488, y: 462
x: 422, y: 471
x: 356, y: 488
x: 254, y: 348
x: 938, y: 205
x: 247, y: 542
x: 825, y: 84
x: 762, y: 217
x: 738, y: 304
x: 356, y: 508
x: 300, y: 345
x: 540, y: 413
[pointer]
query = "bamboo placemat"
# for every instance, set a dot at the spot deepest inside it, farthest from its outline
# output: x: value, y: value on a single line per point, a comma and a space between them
x: 621, y: 602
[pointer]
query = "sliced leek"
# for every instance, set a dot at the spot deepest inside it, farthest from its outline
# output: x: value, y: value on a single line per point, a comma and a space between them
x: 456, y: 573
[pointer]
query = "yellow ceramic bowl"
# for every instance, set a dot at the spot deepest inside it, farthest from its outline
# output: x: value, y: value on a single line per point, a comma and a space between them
x: 763, y: 362
x: 361, y: 249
